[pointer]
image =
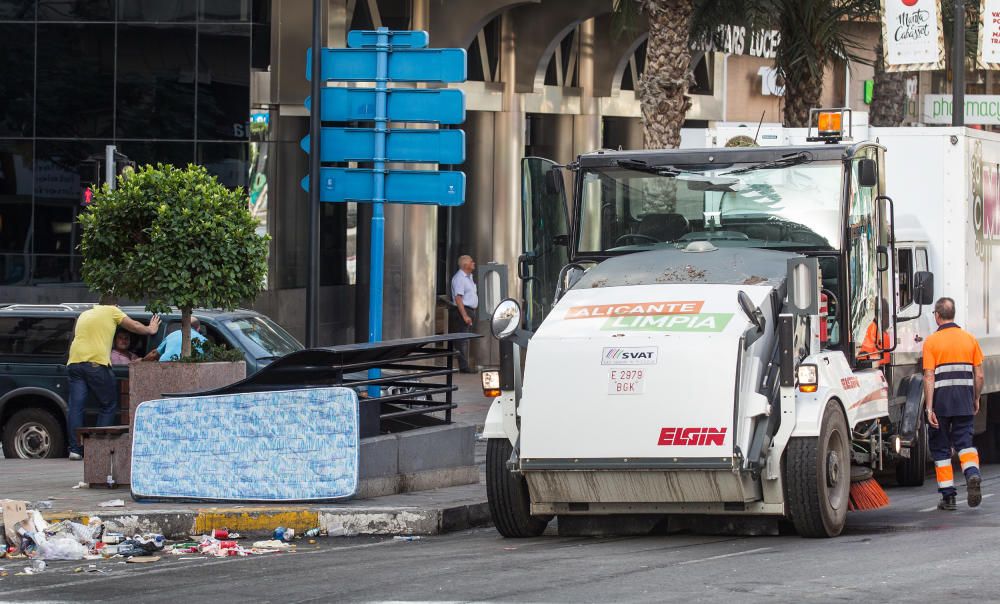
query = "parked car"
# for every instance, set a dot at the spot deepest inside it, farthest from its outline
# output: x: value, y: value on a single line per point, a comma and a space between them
x: 34, y: 347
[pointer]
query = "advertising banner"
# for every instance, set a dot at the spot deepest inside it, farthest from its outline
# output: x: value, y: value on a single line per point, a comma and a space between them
x: 989, y: 34
x: 912, y: 37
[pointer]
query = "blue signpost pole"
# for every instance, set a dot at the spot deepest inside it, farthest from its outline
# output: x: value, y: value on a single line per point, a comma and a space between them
x: 383, y: 56
x: 378, y: 206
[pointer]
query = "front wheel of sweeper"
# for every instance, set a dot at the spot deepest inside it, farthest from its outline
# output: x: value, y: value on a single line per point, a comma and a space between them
x: 818, y: 477
x: 507, y: 494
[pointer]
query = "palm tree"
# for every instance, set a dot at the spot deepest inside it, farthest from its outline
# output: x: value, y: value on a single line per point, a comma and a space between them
x: 888, y: 106
x: 814, y: 34
x: 662, y: 89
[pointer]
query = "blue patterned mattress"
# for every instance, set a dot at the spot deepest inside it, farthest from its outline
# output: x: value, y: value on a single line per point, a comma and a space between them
x: 285, y: 446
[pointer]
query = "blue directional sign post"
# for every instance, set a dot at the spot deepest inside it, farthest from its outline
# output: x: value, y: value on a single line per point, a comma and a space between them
x: 382, y: 57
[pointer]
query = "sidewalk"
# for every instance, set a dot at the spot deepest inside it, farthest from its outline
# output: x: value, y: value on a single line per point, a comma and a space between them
x: 416, y: 513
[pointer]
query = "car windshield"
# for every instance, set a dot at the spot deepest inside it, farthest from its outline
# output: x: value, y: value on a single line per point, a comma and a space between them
x: 792, y: 203
x: 262, y: 337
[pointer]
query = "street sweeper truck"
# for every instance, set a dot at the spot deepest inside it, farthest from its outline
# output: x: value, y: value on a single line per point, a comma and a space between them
x: 721, y: 332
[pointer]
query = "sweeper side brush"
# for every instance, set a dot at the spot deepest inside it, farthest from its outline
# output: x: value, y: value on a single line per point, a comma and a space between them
x: 866, y: 492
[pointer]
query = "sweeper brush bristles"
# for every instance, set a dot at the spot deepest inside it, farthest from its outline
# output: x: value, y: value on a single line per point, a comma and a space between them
x: 867, y: 495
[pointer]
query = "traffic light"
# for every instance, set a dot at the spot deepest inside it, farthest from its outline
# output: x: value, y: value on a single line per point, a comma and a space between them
x: 90, y: 177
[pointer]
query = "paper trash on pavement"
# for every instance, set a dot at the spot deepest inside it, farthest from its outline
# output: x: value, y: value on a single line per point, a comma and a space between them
x: 112, y: 503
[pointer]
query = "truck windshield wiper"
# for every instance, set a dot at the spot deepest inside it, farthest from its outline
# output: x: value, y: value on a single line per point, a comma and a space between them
x: 794, y: 159
x: 640, y: 166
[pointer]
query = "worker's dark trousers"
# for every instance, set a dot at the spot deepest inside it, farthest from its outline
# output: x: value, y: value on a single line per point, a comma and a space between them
x: 955, y: 432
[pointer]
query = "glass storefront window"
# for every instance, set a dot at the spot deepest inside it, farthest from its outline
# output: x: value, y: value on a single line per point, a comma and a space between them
x: 17, y: 47
x: 224, y: 82
x: 156, y: 10
x: 17, y: 10
x: 76, y: 10
x: 75, y: 81
x: 156, y: 89
x: 15, y: 210
x: 225, y: 10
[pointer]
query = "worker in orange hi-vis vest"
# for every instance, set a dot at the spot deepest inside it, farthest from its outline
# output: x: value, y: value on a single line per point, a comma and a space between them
x: 953, y: 380
x: 873, y: 344
x: 870, y: 347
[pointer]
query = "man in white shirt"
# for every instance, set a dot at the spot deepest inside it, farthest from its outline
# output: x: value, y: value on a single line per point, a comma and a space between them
x: 463, y: 314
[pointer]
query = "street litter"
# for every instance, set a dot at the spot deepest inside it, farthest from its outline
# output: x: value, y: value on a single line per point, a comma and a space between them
x: 45, y: 504
x: 283, y: 534
x: 82, y: 485
x: 143, y: 560
x: 112, y: 503
x: 406, y: 538
x: 210, y: 546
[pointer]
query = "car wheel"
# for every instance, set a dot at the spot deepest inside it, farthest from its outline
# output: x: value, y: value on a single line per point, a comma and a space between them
x: 33, y: 434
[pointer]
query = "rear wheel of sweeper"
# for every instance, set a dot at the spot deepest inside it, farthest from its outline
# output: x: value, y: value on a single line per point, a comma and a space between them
x: 510, y: 505
x: 910, y: 472
x: 818, y: 477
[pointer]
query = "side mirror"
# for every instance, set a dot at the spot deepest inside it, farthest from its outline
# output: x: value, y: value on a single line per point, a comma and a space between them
x: 867, y: 173
x: 552, y: 182
x: 752, y: 312
x: 506, y: 319
x: 923, y: 288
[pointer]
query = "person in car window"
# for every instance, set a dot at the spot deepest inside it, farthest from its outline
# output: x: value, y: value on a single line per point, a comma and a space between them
x: 170, y: 348
x: 89, y: 364
x: 120, y: 354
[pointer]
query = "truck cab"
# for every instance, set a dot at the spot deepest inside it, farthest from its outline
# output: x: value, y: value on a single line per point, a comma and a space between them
x: 708, y: 331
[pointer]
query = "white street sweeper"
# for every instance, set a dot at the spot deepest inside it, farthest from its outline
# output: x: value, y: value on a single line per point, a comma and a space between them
x: 716, y: 340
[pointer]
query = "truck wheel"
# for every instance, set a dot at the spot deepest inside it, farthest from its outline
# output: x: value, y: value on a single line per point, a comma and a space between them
x: 910, y: 472
x: 818, y: 477
x: 32, y: 434
x: 510, y: 506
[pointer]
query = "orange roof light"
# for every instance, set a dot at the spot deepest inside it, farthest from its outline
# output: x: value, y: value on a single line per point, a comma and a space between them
x: 830, y: 123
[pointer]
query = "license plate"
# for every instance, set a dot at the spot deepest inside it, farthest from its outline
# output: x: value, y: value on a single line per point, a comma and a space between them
x: 626, y: 381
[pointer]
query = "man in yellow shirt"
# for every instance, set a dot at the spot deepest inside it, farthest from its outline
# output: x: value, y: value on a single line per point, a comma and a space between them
x: 89, y: 365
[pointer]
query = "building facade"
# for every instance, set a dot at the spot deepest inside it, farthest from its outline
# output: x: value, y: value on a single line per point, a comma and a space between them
x: 222, y: 83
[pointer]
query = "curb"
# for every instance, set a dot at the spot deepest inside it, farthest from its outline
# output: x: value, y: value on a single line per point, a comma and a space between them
x: 347, y: 521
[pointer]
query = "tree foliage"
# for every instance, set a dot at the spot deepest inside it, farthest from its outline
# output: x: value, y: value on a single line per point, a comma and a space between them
x: 174, y: 238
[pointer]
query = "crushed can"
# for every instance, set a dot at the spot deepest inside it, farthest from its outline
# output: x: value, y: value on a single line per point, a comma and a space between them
x: 112, y: 538
x: 220, y: 533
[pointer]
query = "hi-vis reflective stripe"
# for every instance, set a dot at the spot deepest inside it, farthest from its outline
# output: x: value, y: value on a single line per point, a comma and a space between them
x: 945, y: 477
x: 953, y: 367
x: 969, y: 458
x: 946, y: 383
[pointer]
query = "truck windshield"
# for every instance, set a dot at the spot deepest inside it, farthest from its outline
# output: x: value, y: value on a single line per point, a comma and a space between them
x: 783, y: 205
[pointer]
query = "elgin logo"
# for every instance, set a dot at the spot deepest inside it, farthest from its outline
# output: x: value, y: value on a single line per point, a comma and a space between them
x: 692, y: 437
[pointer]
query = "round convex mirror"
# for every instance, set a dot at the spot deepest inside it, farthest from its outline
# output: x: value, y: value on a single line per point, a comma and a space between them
x: 506, y: 319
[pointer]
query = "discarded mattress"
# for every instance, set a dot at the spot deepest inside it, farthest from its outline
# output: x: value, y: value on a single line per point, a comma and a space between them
x: 284, y: 446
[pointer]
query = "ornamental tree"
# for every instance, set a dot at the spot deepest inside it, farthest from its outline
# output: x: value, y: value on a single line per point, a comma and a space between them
x: 174, y: 238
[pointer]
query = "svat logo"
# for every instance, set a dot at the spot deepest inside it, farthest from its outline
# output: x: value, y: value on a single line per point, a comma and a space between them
x: 692, y: 437
x: 629, y: 356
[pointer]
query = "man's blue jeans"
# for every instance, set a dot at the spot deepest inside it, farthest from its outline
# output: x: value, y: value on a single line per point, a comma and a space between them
x: 86, y: 380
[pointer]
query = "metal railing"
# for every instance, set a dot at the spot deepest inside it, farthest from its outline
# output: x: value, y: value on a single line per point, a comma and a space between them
x: 416, y: 379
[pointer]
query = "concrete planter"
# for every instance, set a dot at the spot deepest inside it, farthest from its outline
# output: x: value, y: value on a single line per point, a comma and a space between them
x: 149, y: 380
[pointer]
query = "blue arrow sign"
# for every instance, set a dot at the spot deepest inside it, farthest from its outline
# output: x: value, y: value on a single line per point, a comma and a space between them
x: 401, y: 186
x: 397, y: 39
x: 440, y: 106
x: 358, y: 144
x: 408, y: 65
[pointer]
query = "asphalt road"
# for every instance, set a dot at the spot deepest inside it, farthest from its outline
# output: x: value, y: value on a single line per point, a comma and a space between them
x: 908, y: 552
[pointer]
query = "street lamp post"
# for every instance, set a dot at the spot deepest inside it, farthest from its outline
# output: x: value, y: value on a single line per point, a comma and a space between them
x: 958, y: 65
x: 312, y: 279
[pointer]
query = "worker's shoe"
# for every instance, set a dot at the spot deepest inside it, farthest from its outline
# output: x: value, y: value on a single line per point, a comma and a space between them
x: 75, y: 456
x: 947, y: 503
x: 974, y: 487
